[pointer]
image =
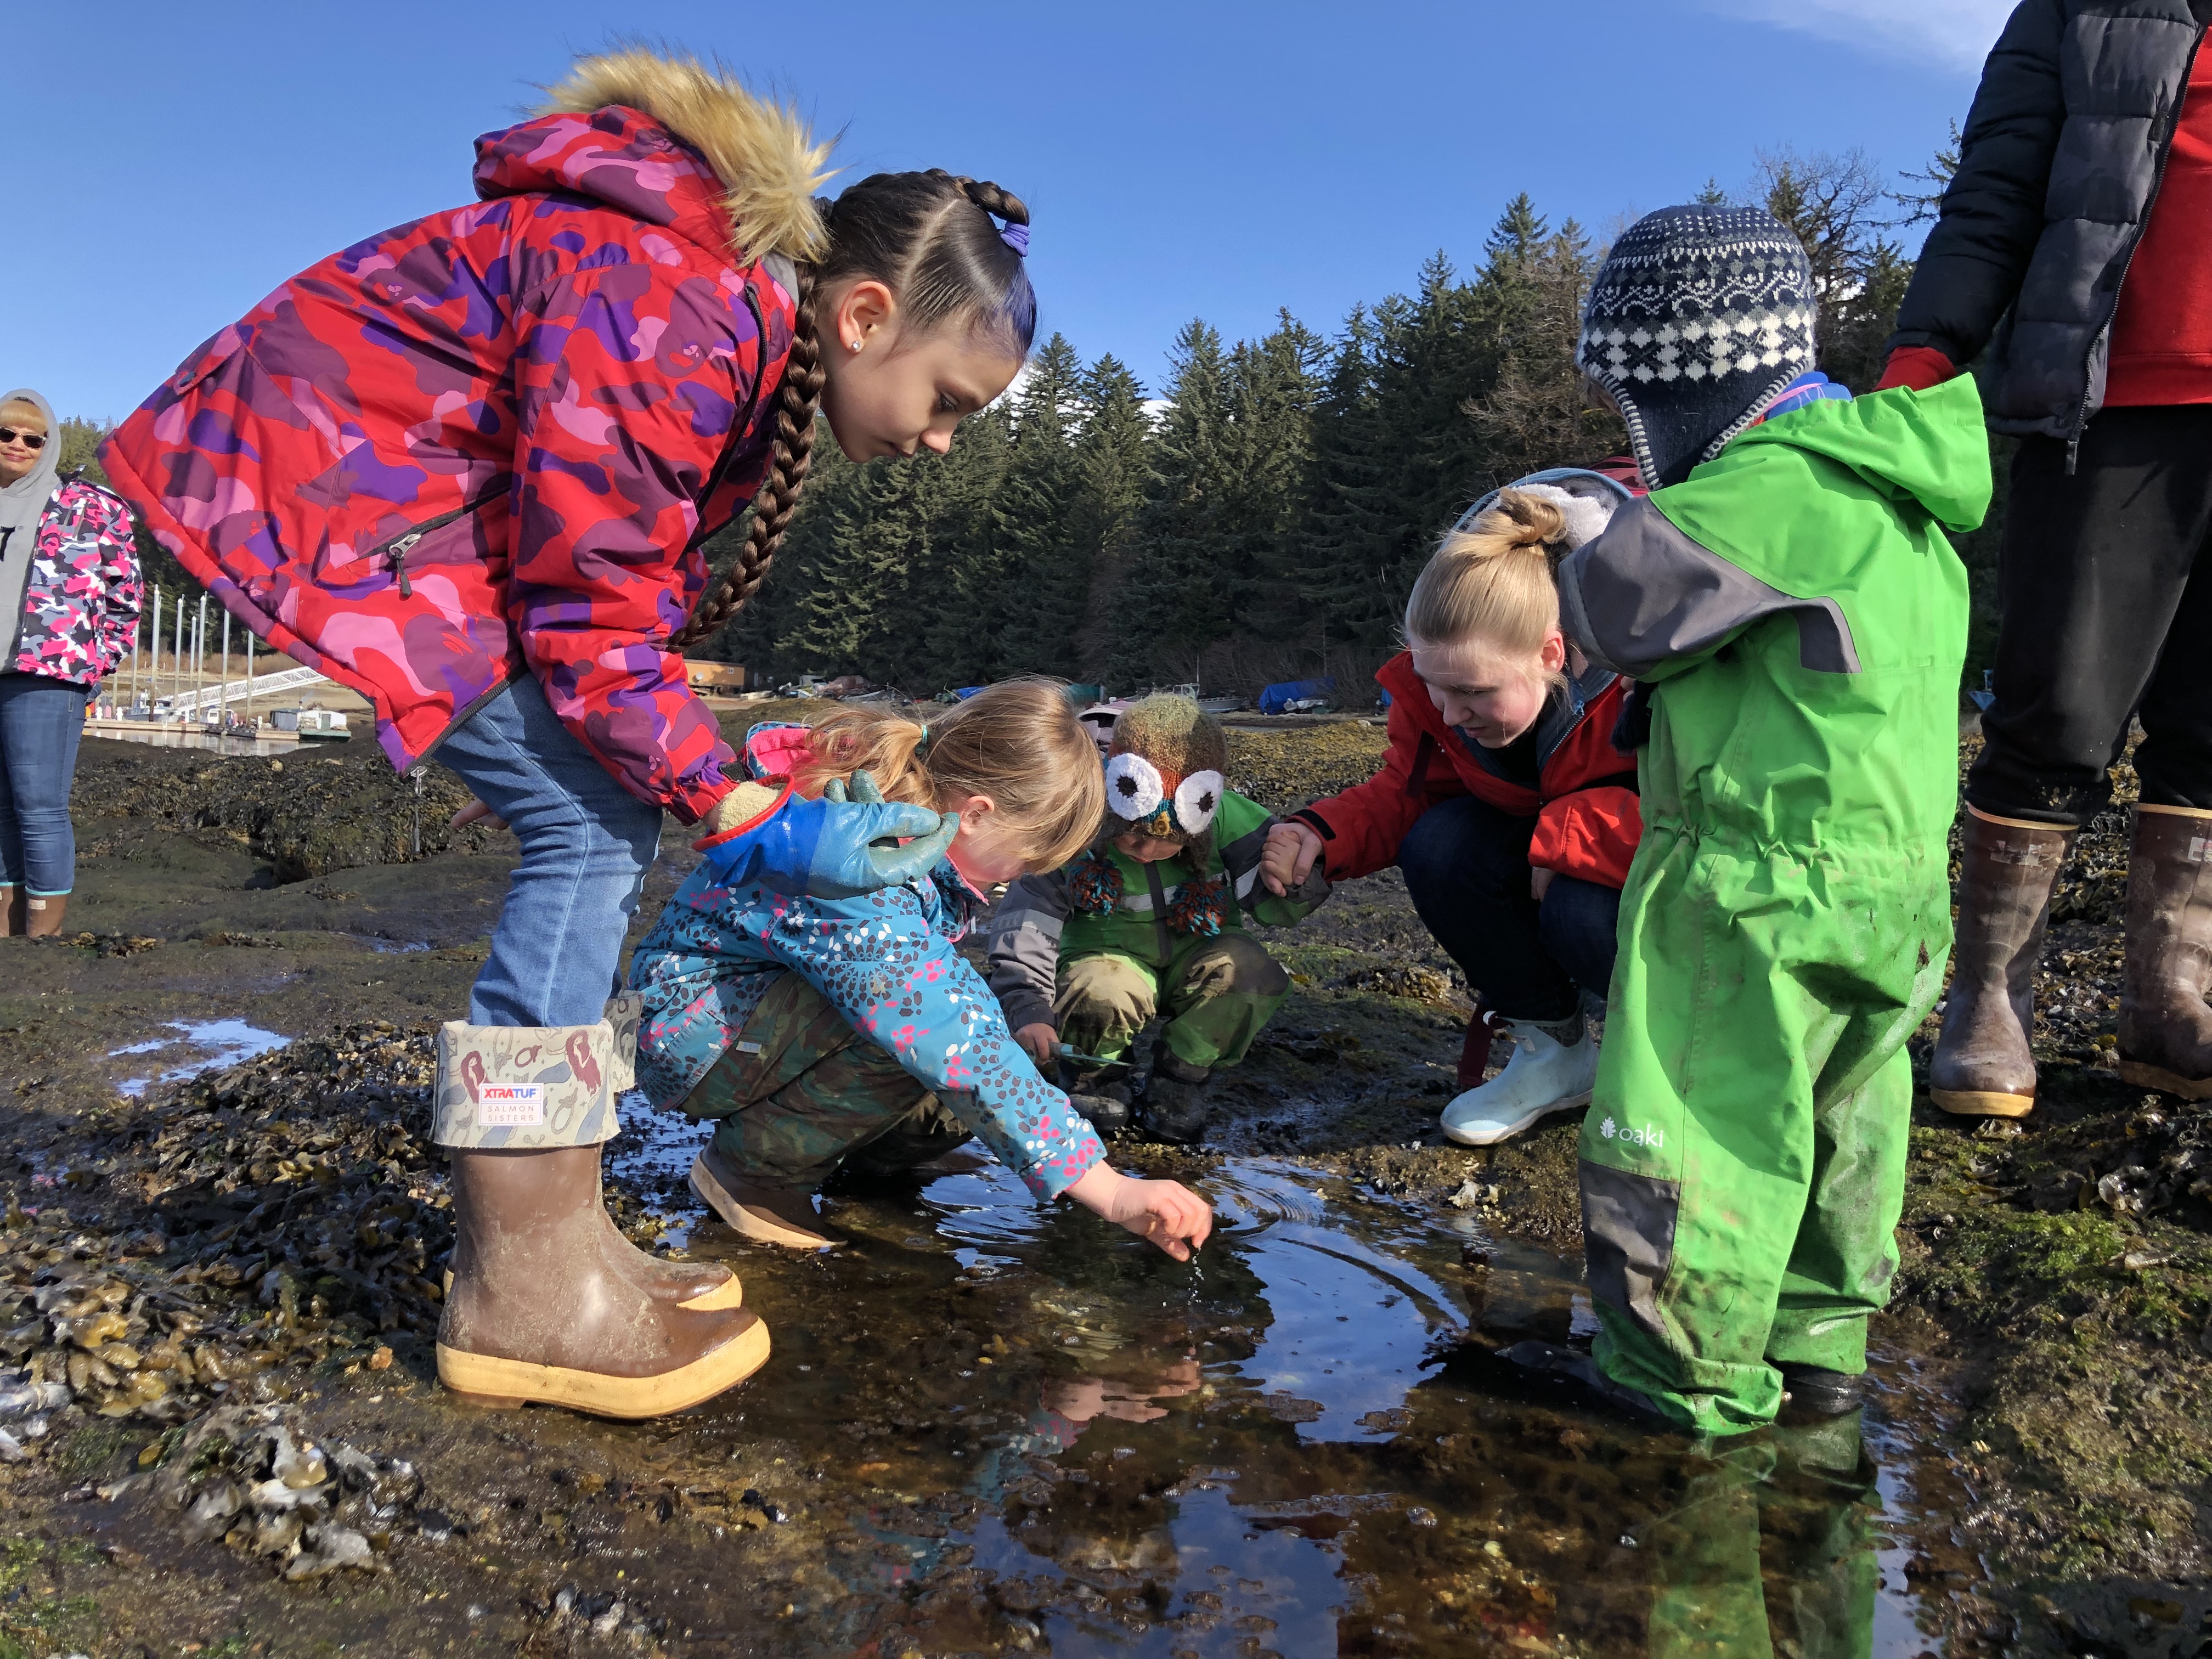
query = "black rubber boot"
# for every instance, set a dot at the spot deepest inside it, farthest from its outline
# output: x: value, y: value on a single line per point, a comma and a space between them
x: 1573, y: 1366
x: 1810, y: 1391
x: 1174, y: 1107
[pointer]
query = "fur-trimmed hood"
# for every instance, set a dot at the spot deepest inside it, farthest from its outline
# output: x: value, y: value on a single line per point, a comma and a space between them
x: 764, y: 168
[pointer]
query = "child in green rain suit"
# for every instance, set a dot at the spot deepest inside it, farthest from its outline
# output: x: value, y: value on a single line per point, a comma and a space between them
x: 1151, y: 919
x: 1796, y: 619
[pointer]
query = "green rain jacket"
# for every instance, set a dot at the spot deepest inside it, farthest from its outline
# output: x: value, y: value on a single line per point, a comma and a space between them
x: 1800, y: 622
x: 1036, y: 923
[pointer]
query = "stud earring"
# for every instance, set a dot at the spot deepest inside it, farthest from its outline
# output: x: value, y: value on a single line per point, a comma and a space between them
x: 855, y: 344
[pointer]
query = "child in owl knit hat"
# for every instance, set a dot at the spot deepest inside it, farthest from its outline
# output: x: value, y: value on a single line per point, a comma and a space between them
x: 1152, y: 920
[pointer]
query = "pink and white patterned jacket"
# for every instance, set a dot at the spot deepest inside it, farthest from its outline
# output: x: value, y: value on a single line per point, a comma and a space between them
x: 80, y: 603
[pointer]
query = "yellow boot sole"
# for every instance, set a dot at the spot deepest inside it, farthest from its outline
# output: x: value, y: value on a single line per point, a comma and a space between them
x: 1977, y: 1102
x: 482, y: 1380
x: 2172, y: 1083
x: 730, y: 1293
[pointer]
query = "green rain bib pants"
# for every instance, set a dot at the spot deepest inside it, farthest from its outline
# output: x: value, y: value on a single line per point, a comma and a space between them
x: 1798, y: 621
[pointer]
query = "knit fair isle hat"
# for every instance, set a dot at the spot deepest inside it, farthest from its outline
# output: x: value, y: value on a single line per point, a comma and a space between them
x: 1699, y: 316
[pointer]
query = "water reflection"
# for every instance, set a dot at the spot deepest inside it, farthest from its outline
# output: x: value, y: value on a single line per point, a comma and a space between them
x: 206, y: 1044
x: 1302, y: 1444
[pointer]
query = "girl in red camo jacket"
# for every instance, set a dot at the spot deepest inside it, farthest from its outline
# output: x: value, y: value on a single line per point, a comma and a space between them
x: 1502, y: 797
x: 466, y: 467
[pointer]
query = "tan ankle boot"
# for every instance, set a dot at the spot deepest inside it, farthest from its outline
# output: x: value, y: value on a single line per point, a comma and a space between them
x: 1983, y: 1065
x: 43, y: 914
x: 2166, y: 1028
x: 12, y: 900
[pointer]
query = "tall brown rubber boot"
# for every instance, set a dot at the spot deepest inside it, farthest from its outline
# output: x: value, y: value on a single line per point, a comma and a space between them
x: 2166, y: 1028
x: 1983, y: 1065
x: 545, y: 1309
x: 12, y: 900
x: 42, y: 916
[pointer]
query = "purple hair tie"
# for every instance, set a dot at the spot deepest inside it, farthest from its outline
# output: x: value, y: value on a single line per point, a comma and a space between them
x: 1017, y: 237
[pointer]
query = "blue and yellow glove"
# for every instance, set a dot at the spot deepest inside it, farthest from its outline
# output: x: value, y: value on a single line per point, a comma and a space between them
x: 838, y: 847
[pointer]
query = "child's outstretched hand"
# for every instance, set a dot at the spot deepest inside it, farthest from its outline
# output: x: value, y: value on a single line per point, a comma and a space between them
x: 1288, y: 857
x: 1166, y: 1212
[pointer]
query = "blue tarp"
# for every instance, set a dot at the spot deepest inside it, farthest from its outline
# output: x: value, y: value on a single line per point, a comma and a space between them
x: 1272, y: 699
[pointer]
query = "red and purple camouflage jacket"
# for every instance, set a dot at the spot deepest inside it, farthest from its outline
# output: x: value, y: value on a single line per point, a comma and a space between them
x: 80, y: 601
x: 490, y: 441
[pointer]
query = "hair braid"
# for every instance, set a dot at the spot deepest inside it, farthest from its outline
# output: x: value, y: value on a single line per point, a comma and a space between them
x: 991, y: 198
x: 792, y: 451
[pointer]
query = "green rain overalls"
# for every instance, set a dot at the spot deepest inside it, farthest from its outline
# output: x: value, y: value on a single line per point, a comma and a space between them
x: 1097, y: 979
x: 1799, y: 622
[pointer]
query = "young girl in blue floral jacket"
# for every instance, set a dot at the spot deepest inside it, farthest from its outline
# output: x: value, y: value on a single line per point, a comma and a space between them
x: 822, y: 1031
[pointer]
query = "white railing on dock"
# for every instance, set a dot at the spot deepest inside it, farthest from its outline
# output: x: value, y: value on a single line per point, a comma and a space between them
x: 191, y: 702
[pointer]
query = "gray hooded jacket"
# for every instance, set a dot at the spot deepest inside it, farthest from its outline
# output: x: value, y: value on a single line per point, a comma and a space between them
x: 2060, y: 162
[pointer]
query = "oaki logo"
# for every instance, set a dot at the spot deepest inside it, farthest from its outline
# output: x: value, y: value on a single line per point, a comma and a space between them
x: 1646, y: 1136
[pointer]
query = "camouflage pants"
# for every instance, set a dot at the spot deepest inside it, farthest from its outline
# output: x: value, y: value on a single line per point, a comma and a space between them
x: 802, y: 1092
x: 1218, y: 994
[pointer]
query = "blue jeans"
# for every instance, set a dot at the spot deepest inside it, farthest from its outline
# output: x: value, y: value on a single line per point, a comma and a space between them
x: 1467, y: 867
x: 586, y: 844
x: 40, y: 722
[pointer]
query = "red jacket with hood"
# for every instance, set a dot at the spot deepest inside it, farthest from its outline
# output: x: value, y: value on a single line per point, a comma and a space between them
x: 1588, y: 820
x: 490, y: 442
x: 1588, y: 817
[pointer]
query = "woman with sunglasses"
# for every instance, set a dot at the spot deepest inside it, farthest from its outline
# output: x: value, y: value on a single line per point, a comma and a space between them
x: 69, y: 604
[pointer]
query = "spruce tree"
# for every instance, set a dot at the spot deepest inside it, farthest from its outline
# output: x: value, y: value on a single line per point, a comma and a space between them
x: 1112, y: 476
x: 1173, y: 602
x: 1044, y: 579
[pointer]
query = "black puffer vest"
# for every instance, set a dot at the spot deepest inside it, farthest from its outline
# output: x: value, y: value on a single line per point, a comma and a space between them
x: 2061, y: 161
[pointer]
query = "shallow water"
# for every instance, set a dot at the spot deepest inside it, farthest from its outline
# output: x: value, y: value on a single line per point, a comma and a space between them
x: 1302, y: 1444
x: 200, y: 1046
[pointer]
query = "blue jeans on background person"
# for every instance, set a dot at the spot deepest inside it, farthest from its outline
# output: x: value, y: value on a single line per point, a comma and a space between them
x: 586, y: 844
x: 41, y: 721
x: 1466, y: 864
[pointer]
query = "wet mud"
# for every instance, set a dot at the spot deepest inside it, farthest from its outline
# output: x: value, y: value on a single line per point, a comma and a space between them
x: 991, y: 1428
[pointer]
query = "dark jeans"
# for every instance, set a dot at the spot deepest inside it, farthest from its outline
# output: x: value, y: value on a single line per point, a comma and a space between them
x: 1467, y: 867
x: 2106, y: 604
x: 40, y: 722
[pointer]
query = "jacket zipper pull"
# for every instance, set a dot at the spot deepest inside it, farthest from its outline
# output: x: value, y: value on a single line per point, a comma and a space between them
x: 396, y: 556
x: 2073, y: 452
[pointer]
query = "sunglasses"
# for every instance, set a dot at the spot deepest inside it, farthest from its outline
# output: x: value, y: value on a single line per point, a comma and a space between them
x: 31, y: 440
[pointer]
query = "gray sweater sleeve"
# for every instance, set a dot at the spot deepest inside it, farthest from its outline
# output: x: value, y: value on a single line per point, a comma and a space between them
x: 1023, y: 929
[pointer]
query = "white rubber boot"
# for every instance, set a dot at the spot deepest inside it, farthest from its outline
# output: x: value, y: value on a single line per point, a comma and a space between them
x: 1544, y: 1076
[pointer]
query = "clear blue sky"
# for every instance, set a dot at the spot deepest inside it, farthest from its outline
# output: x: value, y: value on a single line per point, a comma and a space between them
x: 1218, y: 160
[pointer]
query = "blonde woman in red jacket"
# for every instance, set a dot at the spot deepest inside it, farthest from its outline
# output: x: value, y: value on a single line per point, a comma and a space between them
x: 1502, y: 797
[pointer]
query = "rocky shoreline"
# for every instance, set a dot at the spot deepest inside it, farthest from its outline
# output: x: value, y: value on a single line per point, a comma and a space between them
x: 217, y: 1300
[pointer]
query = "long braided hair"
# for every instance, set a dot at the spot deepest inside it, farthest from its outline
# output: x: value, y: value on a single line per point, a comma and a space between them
x: 931, y: 238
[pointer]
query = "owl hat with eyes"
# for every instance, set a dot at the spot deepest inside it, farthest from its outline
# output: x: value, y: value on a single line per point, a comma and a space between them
x: 1164, y: 771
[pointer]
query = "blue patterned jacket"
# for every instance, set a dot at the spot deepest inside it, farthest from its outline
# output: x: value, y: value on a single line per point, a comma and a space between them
x: 886, y: 960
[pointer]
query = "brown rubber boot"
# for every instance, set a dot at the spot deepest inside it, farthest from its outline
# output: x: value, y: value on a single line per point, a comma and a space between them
x: 12, y: 912
x: 543, y: 1307
x: 2165, y: 1029
x: 42, y: 916
x: 1983, y: 1065
x: 702, y: 1286
x: 757, y: 1209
